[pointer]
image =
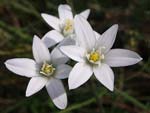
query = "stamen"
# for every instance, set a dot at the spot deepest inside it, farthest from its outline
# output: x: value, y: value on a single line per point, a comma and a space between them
x: 95, y: 57
x: 68, y: 27
x: 47, y: 69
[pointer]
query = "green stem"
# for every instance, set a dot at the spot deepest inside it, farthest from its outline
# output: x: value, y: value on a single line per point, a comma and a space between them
x: 82, y: 104
x: 98, y: 101
x: 131, y: 99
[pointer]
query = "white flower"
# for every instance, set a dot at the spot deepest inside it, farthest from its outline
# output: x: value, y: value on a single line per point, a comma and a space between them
x: 52, y: 37
x: 95, y: 55
x: 46, y: 71
x: 63, y: 26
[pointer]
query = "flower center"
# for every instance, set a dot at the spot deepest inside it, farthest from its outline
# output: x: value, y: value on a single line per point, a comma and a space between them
x: 47, y: 69
x: 95, y: 57
x: 68, y: 27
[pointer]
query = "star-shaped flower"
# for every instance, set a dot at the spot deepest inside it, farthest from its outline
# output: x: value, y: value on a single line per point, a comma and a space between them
x: 63, y: 26
x: 95, y: 55
x: 46, y: 70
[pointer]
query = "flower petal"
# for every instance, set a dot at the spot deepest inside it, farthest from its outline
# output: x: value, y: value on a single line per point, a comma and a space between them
x: 80, y: 73
x: 108, y: 37
x: 22, y: 66
x: 74, y: 52
x: 52, y: 37
x: 62, y: 71
x: 53, y: 21
x: 121, y: 57
x: 57, y: 93
x: 85, y: 13
x: 65, y: 12
x: 40, y: 51
x: 35, y: 85
x: 84, y: 32
x: 57, y: 57
x: 97, y: 35
x: 66, y: 41
x: 105, y: 75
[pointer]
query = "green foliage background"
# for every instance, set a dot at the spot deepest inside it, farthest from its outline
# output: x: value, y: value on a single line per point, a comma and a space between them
x: 20, y: 20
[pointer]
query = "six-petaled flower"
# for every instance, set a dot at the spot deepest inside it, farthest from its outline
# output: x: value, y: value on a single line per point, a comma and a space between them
x: 78, y: 41
x: 94, y: 55
x: 46, y: 70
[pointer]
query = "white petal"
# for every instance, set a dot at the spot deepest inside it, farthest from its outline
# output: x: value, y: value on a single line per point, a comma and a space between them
x: 84, y: 32
x: 105, y: 75
x: 66, y: 41
x: 97, y: 35
x: 121, y: 57
x: 108, y: 38
x: 53, y: 21
x: 65, y: 12
x: 62, y: 71
x: 74, y: 52
x: 57, y: 93
x: 35, y: 85
x: 80, y: 73
x: 40, y: 51
x: 57, y: 57
x: 85, y: 13
x: 52, y: 37
x: 22, y: 66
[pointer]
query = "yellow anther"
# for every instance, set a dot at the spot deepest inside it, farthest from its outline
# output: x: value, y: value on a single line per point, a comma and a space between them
x: 47, y: 69
x: 94, y: 56
x: 68, y: 27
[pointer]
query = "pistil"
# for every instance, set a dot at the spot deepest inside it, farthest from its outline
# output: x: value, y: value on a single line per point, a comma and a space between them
x: 47, y: 69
